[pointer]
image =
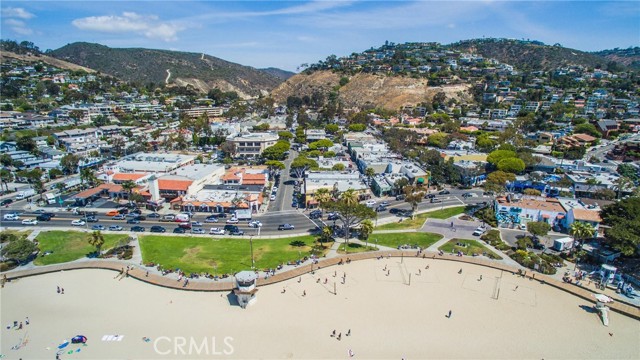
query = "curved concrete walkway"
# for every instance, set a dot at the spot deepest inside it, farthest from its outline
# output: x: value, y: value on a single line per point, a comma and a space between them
x: 140, y: 273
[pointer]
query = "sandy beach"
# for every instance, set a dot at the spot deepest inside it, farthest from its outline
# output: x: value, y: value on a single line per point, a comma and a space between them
x: 501, y: 316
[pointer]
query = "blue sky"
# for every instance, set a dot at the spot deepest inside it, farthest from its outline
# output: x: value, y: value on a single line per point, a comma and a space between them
x: 286, y: 34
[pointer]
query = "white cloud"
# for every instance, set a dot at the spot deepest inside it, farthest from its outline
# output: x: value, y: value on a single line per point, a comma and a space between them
x: 18, y: 26
x: 147, y: 25
x: 10, y: 12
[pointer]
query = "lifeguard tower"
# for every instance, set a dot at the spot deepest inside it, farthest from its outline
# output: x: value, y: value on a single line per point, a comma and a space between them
x: 245, y: 290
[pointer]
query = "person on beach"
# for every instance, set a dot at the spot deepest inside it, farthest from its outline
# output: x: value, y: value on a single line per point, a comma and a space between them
x: 20, y: 326
x: 333, y: 334
x: 62, y: 291
x: 419, y: 271
x: 449, y: 316
x: 460, y: 271
x: 300, y: 279
x: 480, y: 278
x: 26, y: 321
x: 58, y: 289
x: 339, y: 336
x: 349, y: 332
x: 283, y: 290
x: 304, y: 293
x: 147, y: 274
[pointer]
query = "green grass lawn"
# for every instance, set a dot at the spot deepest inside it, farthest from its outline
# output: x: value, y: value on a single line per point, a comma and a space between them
x: 70, y: 245
x: 408, y: 223
x: 227, y: 255
x: 393, y: 240
x: 355, y: 248
x: 471, y: 247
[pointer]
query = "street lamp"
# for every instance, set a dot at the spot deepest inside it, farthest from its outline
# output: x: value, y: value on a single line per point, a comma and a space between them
x: 251, y: 247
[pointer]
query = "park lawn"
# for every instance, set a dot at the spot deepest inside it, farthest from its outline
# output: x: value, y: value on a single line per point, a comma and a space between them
x: 472, y: 247
x: 222, y: 255
x: 25, y: 232
x: 418, y: 221
x: 67, y: 246
x: 393, y: 240
x: 355, y: 248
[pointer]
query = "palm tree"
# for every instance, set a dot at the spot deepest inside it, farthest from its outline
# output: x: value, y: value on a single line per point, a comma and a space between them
x: 6, y: 176
x: 581, y: 230
x: 128, y: 186
x: 97, y: 240
x: 88, y: 175
x: 369, y: 172
x: 322, y: 196
x: 350, y: 197
x: 366, y: 228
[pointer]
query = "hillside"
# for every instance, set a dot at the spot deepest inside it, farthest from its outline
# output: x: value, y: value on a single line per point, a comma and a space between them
x: 61, y: 64
x: 391, y: 92
x: 279, y: 73
x: 528, y: 55
x: 629, y: 57
x: 203, y: 72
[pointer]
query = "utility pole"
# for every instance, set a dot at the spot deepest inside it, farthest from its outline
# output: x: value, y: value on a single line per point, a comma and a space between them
x: 253, y: 264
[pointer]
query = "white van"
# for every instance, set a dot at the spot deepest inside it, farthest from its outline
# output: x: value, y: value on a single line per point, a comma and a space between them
x: 11, y: 217
x: 182, y: 218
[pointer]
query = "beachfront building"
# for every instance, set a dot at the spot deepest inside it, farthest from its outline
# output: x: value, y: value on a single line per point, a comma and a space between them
x: 143, y: 162
x: 335, y: 181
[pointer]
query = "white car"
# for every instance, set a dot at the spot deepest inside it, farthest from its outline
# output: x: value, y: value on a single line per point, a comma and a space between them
x: 370, y: 203
x: 272, y: 197
x: 233, y: 221
x: 255, y: 224
x: 29, y: 222
x: 11, y: 217
x: 275, y: 189
x: 78, y: 223
x: 216, y: 231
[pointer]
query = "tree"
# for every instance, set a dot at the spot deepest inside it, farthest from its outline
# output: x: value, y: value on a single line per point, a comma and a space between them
x: 6, y: 177
x: 622, y: 183
x: 301, y: 164
x: 369, y: 172
x: 623, y: 218
x: 512, y: 165
x: 321, y: 144
x: 69, y: 163
x: 331, y: 128
x: 323, y: 197
x: 5, y: 160
x: 273, y: 166
x: 97, y: 240
x: 229, y: 149
x: 285, y: 135
x: 413, y: 195
x: 497, y: 180
x: 532, y: 192
x: 87, y: 175
x: 357, y: 127
x: 496, y: 156
x: 19, y: 250
x: 128, y: 186
x: 588, y: 129
x: 399, y: 184
x: 338, y: 167
x: 626, y: 170
x: 276, y: 151
x: 440, y: 140
x: 27, y: 143
x: 366, y: 228
x: 350, y: 213
x: 581, y: 230
x: 55, y: 173
x: 538, y: 228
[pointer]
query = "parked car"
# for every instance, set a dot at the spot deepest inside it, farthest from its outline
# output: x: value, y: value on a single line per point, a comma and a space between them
x: 381, y: 208
x: 133, y: 221
x: 255, y: 224
x: 400, y: 197
x: 29, y: 222
x: 479, y: 231
x: 179, y: 230
x: 78, y: 223
x: 467, y: 195
x: 384, y: 203
x: 233, y: 221
x: 272, y: 197
x: 435, y: 200
x: 112, y: 213
x: 395, y: 211
x: 137, y: 228
x: 539, y: 246
x: 370, y: 203
x: 198, y: 230
x: 196, y: 223
x: 90, y: 219
x: 118, y: 217
x: 157, y: 229
x: 488, y: 193
x: 98, y: 227
x: 216, y: 231
x: 115, y: 228
x: 315, y: 214
x: 444, y: 192
x: 211, y: 219
x: 286, y: 227
x: 185, y: 225
x: 154, y: 216
x: 333, y: 216
x: 168, y: 217
x: 430, y: 196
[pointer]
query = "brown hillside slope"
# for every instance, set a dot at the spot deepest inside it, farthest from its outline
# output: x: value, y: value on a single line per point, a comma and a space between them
x: 45, y: 59
x: 391, y: 92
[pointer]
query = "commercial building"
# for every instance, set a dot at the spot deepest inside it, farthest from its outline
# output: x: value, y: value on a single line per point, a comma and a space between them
x: 252, y: 145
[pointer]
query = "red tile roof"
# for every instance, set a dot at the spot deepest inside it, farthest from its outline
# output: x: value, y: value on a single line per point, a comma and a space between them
x: 128, y: 176
x: 174, y: 185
